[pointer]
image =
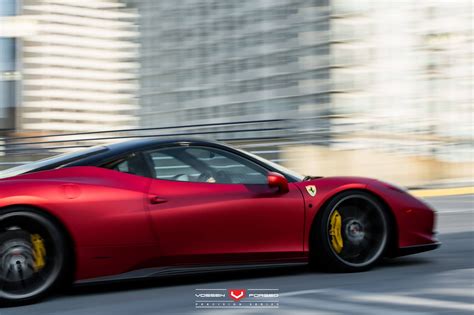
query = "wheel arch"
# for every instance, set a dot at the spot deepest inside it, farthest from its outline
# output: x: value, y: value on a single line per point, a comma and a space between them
x: 62, y: 227
x: 392, y: 245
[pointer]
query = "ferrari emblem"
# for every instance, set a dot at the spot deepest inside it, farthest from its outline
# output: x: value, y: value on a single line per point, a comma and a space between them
x: 311, y: 189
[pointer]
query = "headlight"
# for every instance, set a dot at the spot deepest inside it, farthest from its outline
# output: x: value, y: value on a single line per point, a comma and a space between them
x: 395, y: 187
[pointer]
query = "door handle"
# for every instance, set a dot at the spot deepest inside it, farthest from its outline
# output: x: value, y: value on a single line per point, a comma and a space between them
x: 154, y: 200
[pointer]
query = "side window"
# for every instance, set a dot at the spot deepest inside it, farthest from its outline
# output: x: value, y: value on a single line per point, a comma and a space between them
x: 123, y: 167
x: 228, y: 167
x: 167, y: 165
x: 131, y: 164
x: 203, y: 164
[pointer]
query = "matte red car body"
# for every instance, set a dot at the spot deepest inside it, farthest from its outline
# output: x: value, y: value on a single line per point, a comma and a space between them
x: 119, y: 222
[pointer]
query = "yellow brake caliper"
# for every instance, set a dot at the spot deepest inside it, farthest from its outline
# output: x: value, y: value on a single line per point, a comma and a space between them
x: 335, y: 231
x: 39, y: 252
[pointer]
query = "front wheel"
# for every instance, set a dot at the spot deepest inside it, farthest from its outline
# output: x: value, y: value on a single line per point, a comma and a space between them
x: 351, y: 234
x: 32, y: 256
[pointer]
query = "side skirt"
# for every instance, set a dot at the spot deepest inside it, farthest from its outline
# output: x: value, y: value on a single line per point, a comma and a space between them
x: 185, y: 270
x: 415, y: 249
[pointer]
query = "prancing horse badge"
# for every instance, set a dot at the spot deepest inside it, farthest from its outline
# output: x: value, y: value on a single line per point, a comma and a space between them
x: 311, y: 189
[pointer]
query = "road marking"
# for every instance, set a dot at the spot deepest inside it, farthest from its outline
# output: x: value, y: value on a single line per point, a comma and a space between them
x: 412, y: 301
x: 390, y: 299
x: 302, y: 292
x: 210, y: 289
x: 443, y: 192
x: 263, y: 289
x: 455, y: 211
x: 451, y: 292
x: 320, y: 303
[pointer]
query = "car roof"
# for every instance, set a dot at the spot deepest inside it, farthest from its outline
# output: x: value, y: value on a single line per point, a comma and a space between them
x: 141, y: 143
x: 105, y: 153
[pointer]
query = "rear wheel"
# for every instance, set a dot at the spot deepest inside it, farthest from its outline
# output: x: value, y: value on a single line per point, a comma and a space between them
x: 351, y: 234
x: 32, y: 256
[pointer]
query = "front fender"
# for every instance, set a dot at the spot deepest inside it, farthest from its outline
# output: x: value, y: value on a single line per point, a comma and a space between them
x: 415, y: 220
x: 326, y: 188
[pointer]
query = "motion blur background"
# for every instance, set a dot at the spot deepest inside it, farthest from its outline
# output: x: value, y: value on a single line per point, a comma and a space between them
x: 377, y: 88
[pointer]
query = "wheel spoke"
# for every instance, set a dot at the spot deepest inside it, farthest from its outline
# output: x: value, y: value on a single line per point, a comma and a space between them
x: 2, y: 283
x: 363, y: 230
x: 28, y: 257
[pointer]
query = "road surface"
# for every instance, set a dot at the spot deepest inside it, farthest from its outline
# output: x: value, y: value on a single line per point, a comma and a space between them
x: 436, y: 282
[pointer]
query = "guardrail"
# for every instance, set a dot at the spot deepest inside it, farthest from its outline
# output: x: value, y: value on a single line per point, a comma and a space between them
x: 259, y: 136
x: 264, y: 137
x: 234, y: 131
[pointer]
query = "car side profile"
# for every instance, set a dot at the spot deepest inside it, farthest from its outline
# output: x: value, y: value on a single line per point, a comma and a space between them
x: 145, y: 208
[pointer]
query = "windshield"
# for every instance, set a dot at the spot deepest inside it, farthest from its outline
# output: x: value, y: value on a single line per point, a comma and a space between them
x: 51, y: 162
x: 278, y: 167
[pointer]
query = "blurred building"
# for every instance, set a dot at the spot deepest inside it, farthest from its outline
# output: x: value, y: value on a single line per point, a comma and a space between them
x: 350, y: 75
x: 78, y: 66
x: 388, y: 75
x: 222, y: 61
x: 402, y: 76
x: 9, y: 74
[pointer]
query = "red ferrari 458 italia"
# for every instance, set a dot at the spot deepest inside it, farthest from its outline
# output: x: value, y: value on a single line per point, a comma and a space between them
x: 147, y: 208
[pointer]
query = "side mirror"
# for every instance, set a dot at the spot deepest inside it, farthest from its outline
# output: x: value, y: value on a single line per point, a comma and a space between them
x: 279, y: 181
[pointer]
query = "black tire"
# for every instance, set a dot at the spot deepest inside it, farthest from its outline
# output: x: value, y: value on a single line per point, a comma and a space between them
x: 351, y: 234
x: 33, y: 256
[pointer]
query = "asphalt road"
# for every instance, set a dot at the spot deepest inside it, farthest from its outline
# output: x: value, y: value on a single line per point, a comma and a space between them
x: 440, y: 282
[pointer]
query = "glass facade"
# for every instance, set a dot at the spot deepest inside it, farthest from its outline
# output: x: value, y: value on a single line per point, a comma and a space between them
x: 222, y: 61
x: 8, y: 68
x: 405, y: 81
x: 79, y: 67
x: 394, y: 76
x: 349, y: 74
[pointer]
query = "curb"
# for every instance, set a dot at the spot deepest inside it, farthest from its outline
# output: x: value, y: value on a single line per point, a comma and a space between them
x: 442, y: 192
